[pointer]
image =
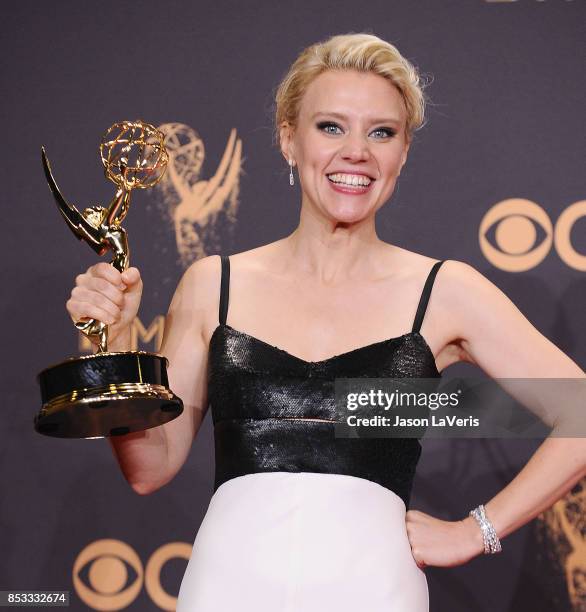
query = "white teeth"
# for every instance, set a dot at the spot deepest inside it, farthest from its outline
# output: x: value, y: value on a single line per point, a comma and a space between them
x: 350, y: 179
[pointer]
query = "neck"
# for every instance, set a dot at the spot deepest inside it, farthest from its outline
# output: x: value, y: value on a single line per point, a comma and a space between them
x: 334, y: 253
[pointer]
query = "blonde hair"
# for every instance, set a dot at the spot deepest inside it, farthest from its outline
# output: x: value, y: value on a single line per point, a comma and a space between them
x: 362, y: 52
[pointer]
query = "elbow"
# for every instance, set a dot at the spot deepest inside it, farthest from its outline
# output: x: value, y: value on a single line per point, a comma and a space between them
x: 146, y: 486
x: 142, y: 488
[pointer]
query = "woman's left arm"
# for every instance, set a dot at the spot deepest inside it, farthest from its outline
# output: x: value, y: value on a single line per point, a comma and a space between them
x: 491, y: 332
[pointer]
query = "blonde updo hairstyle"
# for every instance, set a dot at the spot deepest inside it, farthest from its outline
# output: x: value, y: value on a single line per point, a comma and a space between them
x: 362, y: 52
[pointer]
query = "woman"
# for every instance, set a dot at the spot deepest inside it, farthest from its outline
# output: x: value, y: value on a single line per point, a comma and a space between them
x: 300, y: 520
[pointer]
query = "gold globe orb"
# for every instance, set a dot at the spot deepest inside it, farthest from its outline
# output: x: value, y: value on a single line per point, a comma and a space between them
x: 133, y: 154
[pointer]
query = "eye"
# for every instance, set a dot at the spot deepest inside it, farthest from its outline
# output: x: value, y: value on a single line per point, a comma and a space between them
x: 388, y: 132
x: 327, y: 124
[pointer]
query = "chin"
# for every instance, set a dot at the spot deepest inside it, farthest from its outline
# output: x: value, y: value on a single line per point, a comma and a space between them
x: 349, y: 213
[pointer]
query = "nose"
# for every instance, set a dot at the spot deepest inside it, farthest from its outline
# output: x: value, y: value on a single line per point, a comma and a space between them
x: 355, y: 149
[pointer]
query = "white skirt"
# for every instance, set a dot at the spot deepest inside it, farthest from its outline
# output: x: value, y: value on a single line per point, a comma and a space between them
x: 303, y: 542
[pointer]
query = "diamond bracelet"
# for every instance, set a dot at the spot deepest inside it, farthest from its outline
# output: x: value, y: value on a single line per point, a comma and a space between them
x: 491, y: 542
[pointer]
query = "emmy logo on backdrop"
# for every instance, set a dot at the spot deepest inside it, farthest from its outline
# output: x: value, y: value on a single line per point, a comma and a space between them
x: 195, y: 206
x: 109, y: 393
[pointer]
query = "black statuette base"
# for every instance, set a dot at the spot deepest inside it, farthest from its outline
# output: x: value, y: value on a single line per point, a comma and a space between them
x: 106, y: 394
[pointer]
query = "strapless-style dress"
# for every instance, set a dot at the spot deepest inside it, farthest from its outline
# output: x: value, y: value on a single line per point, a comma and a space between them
x: 301, y: 520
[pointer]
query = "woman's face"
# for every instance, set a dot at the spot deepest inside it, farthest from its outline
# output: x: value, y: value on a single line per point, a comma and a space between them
x: 351, y: 128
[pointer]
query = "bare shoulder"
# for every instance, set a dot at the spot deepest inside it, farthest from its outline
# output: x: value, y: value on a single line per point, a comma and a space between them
x: 458, y: 275
x: 470, y: 296
x: 198, y: 292
x: 456, y: 290
x: 462, y: 298
x: 487, y: 328
x: 205, y: 273
x: 258, y: 258
x: 455, y: 280
x: 410, y: 265
x: 199, y: 287
x: 201, y: 273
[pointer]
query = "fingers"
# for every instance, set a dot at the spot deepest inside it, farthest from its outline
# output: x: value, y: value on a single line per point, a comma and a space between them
x: 81, y: 310
x: 413, y: 518
x: 108, y: 272
x: 107, y: 295
x: 417, y: 558
x: 131, y: 276
x: 107, y: 301
x: 99, y: 293
x: 410, y: 519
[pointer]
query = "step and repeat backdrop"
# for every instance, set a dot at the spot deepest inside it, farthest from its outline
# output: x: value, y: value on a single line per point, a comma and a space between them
x: 495, y: 178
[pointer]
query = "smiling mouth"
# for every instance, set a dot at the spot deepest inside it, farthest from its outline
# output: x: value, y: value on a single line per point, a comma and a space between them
x: 350, y: 184
x: 349, y: 180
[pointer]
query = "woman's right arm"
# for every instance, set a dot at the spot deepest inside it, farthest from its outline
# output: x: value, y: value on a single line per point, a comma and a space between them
x: 150, y: 459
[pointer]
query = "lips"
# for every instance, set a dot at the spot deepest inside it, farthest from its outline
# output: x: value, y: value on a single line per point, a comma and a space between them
x: 350, y: 189
x: 351, y: 173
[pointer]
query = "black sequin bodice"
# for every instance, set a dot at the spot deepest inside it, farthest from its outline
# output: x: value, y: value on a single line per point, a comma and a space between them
x: 263, y: 400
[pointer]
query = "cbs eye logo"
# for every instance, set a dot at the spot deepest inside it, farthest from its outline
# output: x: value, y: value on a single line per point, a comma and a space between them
x: 523, y: 234
x: 108, y: 575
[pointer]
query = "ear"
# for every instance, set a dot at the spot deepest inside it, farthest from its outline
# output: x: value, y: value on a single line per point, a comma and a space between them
x: 286, y: 140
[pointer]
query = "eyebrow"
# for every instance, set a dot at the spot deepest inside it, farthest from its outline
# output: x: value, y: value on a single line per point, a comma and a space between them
x: 344, y: 117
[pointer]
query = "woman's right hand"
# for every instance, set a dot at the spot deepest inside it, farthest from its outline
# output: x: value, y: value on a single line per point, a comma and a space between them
x: 105, y: 294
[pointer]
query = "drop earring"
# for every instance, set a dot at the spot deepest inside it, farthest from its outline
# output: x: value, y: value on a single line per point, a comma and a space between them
x: 291, y: 179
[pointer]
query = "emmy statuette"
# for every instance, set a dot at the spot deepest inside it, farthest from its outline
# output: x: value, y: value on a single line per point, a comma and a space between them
x: 109, y: 393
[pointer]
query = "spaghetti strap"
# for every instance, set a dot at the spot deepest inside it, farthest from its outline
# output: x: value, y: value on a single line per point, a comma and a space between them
x: 422, y: 306
x: 224, y: 289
